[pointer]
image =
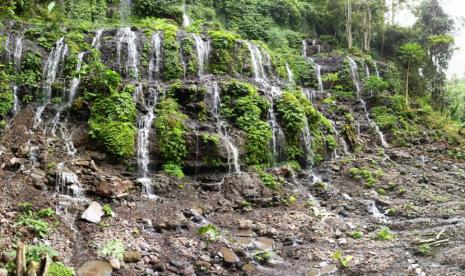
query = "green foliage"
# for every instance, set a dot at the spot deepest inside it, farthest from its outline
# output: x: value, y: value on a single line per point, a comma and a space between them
x: 30, y: 72
x: 6, y: 94
x: 46, y: 213
x: 171, y: 132
x: 376, y: 84
x: 209, y: 232
x: 263, y: 256
x: 34, y: 252
x: 34, y: 221
x: 369, y: 177
x: 172, y: 66
x: 344, y: 261
x: 223, y: 60
x: 107, y: 210
x: 112, y: 249
x: 59, y: 269
x: 159, y: 8
x: 97, y: 79
x: 112, y: 124
x: 384, y: 234
x: 356, y: 235
x: 246, y: 109
x: 173, y: 170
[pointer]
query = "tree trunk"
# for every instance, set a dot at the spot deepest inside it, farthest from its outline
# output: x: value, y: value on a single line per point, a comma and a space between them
x: 349, y: 23
x: 20, y: 259
x: 406, y: 84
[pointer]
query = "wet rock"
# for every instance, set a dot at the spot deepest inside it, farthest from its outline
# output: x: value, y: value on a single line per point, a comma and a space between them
x: 93, y: 213
x: 228, y: 255
x: 132, y: 256
x: 264, y: 243
x: 248, y: 268
x: 115, y: 263
x: 82, y: 163
x: 38, y: 174
x: 95, y: 268
x: 238, y: 187
x: 113, y: 188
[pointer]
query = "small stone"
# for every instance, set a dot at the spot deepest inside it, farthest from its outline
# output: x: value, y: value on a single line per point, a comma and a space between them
x: 248, y: 268
x: 328, y: 269
x: 245, y: 224
x: 95, y: 268
x: 132, y: 256
x: 228, y: 255
x: 245, y: 233
x: 38, y: 174
x: 82, y: 163
x: 115, y: 264
x: 93, y: 213
x: 265, y: 243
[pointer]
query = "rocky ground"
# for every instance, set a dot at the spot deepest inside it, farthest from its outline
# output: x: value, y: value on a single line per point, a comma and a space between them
x: 417, y: 193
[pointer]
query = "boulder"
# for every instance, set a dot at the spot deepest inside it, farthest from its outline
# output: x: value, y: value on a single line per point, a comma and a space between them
x: 93, y: 213
x: 237, y: 187
x: 113, y: 188
x: 38, y: 173
x: 132, y: 256
x: 95, y: 268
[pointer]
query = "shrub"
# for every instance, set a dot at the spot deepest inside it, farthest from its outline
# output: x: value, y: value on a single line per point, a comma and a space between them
x: 222, y: 56
x: 209, y: 232
x: 343, y: 260
x: 112, y: 124
x: 159, y: 8
x: 173, y: 169
x: 172, y: 65
x: 171, y: 132
x: 384, y: 234
x: 6, y: 94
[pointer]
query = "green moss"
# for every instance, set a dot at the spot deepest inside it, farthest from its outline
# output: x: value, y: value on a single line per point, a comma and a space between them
x: 6, y: 94
x: 173, y: 170
x: 112, y: 124
x: 172, y: 63
x: 171, y: 132
x: 247, y: 110
x: 189, y: 56
x: 59, y: 269
x: 223, y: 59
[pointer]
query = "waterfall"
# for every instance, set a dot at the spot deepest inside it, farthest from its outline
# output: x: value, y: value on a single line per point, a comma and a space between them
x: 310, y: 94
x: 376, y: 213
x: 156, y: 58
x: 233, y: 152
x: 307, y: 139
x: 290, y: 75
x: 17, y: 64
x: 304, y: 48
x: 257, y: 62
x: 76, y: 80
x: 278, y: 138
x: 125, y: 7
x: 318, y: 74
x: 56, y: 56
x: 203, y: 53
x: 126, y: 36
x: 376, y: 69
x: 144, y: 125
x: 96, y: 41
x: 356, y: 80
x: 186, y: 21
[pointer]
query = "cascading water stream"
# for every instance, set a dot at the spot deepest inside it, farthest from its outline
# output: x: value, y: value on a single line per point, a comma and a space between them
x: 144, y: 125
x: 290, y: 75
x: 50, y: 72
x: 278, y: 138
x: 156, y: 58
x: 354, y: 72
x: 307, y: 139
x: 233, y: 152
x: 126, y: 36
x: 17, y: 64
x: 257, y: 62
x: 203, y: 53
x: 318, y: 74
x: 97, y: 39
x: 186, y: 21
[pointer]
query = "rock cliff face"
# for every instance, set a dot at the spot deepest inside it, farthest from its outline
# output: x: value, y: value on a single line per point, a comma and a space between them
x: 178, y: 131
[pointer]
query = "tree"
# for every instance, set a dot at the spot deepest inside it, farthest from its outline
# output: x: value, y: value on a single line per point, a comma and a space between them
x: 348, y: 10
x: 411, y: 55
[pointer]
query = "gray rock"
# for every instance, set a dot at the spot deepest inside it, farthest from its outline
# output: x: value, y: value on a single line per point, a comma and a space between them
x: 93, y: 213
x: 228, y: 255
x: 115, y: 263
x: 38, y: 174
x: 95, y: 268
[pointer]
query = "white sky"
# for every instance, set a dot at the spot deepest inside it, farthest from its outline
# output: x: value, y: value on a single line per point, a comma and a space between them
x: 456, y: 9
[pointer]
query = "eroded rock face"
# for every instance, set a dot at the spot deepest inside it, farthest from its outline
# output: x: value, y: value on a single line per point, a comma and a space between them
x: 113, y: 188
x: 237, y: 187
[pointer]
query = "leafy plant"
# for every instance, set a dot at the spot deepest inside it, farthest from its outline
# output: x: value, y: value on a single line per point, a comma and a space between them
x: 209, y: 232
x: 263, y: 256
x: 174, y: 170
x: 344, y: 261
x: 107, y: 210
x: 46, y: 213
x: 112, y: 249
x: 384, y: 234
x: 356, y: 235
x: 59, y: 269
